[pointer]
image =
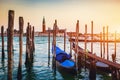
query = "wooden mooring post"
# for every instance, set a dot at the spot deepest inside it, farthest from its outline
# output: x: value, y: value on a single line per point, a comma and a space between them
x: 107, y: 44
x: 27, y: 47
x: 21, y: 23
x: 101, y: 54
x: 54, y: 47
x: 104, y: 42
x: 114, y: 54
x: 32, y: 44
x: 10, y: 42
x: 48, y: 47
x: 30, y: 47
x: 92, y: 37
x: 92, y: 73
x: 71, y: 44
x: 78, y: 57
x: 115, y: 74
x: 85, y: 44
x: 2, y: 35
x: 115, y: 45
x: 85, y: 36
x: 65, y: 40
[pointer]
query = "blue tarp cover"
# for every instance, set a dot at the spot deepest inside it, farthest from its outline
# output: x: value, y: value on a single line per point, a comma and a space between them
x: 68, y: 63
x: 61, y: 55
x: 63, y: 58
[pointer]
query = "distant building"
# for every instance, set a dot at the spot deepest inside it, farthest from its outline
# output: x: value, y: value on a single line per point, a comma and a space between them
x: 60, y: 32
x: 43, y: 25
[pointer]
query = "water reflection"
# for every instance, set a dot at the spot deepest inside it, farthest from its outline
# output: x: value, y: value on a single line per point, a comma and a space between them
x: 30, y: 74
x: 3, y: 70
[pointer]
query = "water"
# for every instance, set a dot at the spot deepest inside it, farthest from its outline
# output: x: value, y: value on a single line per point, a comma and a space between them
x: 40, y: 69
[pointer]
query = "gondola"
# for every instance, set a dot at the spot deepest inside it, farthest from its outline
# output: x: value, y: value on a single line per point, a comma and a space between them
x: 64, y: 62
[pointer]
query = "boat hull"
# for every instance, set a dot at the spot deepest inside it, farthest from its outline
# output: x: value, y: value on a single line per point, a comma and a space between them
x: 70, y: 70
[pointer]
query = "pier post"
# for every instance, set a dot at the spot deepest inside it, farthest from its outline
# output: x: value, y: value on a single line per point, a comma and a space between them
x: 29, y: 46
x: 27, y: 62
x: 119, y: 73
x: 92, y: 73
x: 85, y: 36
x: 65, y: 40
x: 85, y: 44
x: 33, y: 36
x: 76, y: 47
x: 104, y: 42
x: 113, y: 58
x: 54, y: 46
x: 71, y: 44
x: 114, y: 74
x: 107, y: 45
x: 21, y: 23
x: 115, y: 45
x: 101, y: 44
x: 32, y: 45
x: 92, y: 37
x: 2, y: 35
x: 48, y: 47
x: 10, y: 42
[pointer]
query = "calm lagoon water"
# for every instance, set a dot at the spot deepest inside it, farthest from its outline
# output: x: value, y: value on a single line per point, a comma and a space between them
x: 40, y: 69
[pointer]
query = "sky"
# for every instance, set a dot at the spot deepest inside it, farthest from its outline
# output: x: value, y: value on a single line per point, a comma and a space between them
x: 67, y: 12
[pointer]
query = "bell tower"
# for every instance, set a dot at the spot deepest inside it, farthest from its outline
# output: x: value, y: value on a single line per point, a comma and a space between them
x: 43, y: 25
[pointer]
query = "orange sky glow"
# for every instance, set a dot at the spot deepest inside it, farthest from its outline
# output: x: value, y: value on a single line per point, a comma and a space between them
x: 67, y: 12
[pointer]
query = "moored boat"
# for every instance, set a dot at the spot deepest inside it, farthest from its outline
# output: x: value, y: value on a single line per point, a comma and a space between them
x: 64, y: 62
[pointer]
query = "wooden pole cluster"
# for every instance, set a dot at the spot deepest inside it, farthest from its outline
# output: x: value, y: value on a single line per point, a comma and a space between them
x: 103, y: 37
x: 29, y: 45
x: 2, y: 35
x: 10, y: 42
x: 21, y: 23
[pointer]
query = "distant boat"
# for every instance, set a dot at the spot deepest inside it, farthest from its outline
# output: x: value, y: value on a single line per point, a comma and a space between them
x: 64, y: 62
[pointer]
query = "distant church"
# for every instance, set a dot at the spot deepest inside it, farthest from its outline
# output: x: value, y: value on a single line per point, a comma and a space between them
x: 45, y: 32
